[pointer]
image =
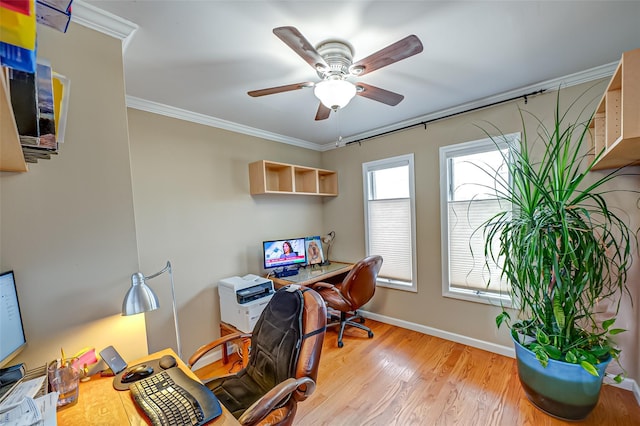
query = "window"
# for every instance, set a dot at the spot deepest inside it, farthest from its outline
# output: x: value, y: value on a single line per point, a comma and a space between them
x: 470, y: 174
x: 389, y: 215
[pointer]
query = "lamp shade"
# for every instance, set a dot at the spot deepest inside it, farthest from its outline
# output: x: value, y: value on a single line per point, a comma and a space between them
x: 140, y: 298
x: 335, y: 94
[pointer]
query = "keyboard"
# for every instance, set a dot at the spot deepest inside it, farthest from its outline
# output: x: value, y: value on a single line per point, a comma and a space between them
x: 171, y: 398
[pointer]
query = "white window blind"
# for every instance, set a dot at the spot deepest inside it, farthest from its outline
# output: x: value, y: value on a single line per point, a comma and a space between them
x: 389, y: 203
x: 390, y: 236
x: 466, y: 250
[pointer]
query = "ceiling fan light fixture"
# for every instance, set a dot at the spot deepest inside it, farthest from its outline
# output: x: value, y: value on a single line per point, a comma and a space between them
x: 335, y: 94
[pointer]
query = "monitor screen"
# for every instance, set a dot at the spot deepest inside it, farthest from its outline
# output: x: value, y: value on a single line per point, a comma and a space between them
x: 12, y: 339
x: 282, y: 253
x: 313, y: 245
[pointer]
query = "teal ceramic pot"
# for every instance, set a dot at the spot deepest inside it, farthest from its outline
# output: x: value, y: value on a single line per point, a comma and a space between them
x: 560, y: 389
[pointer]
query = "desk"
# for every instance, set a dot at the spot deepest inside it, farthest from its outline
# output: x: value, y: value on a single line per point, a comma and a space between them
x: 100, y: 404
x: 310, y: 275
x: 226, y: 329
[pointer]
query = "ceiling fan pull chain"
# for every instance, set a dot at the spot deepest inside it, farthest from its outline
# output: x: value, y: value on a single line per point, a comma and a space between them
x: 339, y: 139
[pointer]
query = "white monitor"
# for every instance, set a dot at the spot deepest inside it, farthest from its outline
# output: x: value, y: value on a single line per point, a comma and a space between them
x: 12, y: 339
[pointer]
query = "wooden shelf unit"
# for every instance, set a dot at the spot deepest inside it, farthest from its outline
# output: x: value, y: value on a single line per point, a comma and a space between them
x: 11, y: 157
x: 615, y: 127
x: 269, y: 177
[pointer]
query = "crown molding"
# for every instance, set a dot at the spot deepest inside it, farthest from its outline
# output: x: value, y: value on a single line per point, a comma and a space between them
x: 194, y: 117
x: 103, y: 21
x: 592, y: 74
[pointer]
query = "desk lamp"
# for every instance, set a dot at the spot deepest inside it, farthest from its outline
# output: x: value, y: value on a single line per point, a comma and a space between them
x: 328, y: 240
x: 141, y: 298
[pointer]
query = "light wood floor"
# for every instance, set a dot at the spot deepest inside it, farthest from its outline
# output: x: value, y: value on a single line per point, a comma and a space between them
x: 401, y: 377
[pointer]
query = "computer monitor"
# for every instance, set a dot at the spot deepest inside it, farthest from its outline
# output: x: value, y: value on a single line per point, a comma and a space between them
x: 284, y: 254
x: 313, y: 246
x: 12, y: 339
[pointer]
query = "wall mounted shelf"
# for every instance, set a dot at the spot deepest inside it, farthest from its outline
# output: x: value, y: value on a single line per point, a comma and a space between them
x: 269, y: 177
x: 615, y: 127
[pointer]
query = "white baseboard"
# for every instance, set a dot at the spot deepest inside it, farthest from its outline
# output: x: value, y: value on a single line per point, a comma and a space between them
x: 627, y: 384
x: 458, y: 338
x: 636, y: 391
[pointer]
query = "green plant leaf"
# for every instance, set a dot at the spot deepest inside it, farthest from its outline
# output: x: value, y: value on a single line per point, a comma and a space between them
x: 617, y: 331
x: 585, y: 355
x: 571, y: 357
x: 601, y: 352
x: 608, y: 323
x: 558, y: 311
x: 504, y: 316
x: 618, y: 378
x: 541, y: 355
x: 589, y: 367
x: 553, y: 352
x: 542, y: 337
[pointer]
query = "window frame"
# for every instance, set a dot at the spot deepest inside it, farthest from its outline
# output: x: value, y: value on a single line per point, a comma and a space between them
x: 447, y: 153
x: 387, y: 163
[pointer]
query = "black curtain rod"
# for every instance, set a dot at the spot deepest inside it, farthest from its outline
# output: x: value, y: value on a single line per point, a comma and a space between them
x: 424, y: 123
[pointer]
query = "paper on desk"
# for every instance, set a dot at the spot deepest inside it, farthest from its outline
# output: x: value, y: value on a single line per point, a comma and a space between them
x: 24, y: 414
x: 28, y: 388
x: 32, y: 412
x: 48, y: 405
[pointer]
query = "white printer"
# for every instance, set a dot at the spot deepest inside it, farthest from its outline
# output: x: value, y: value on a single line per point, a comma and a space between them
x: 242, y: 300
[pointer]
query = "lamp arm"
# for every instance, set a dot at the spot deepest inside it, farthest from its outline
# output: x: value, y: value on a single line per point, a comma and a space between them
x: 165, y: 269
x: 173, y: 299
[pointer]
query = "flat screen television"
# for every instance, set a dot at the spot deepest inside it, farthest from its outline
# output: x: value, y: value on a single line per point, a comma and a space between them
x: 287, y: 254
x: 12, y: 339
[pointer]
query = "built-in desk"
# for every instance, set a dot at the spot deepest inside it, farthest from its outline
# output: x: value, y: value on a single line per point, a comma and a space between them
x: 334, y: 272
x: 100, y: 404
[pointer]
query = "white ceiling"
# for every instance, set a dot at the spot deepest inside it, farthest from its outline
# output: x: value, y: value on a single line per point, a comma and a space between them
x: 198, y: 59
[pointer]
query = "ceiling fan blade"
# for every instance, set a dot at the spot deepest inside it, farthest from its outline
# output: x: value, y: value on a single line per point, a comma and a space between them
x: 395, y: 52
x: 323, y: 112
x: 296, y: 41
x: 378, y: 94
x: 280, y: 89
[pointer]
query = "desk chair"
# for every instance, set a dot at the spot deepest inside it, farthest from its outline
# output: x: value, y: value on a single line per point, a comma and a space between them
x: 286, y: 343
x: 356, y: 289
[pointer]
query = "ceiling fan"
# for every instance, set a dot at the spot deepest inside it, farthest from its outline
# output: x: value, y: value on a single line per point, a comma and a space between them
x: 333, y: 61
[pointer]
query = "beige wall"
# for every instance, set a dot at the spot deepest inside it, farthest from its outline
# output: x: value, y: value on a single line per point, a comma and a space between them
x: 428, y: 307
x: 67, y: 226
x: 193, y: 207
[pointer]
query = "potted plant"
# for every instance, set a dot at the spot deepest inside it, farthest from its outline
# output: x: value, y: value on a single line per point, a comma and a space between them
x: 563, y: 252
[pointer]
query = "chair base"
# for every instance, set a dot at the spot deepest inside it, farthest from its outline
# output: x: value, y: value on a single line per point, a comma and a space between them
x: 343, y: 321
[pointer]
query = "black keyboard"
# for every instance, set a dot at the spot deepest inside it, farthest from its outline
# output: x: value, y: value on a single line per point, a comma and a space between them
x: 171, y: 398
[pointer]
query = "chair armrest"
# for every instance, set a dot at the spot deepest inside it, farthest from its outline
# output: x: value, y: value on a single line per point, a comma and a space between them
x: 321, y: 284
x: 202, y: 350
x: 262, y: 407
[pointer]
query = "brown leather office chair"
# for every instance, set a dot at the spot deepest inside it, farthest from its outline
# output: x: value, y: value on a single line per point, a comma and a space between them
x: 356, y: 289
x: 283, y: 364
